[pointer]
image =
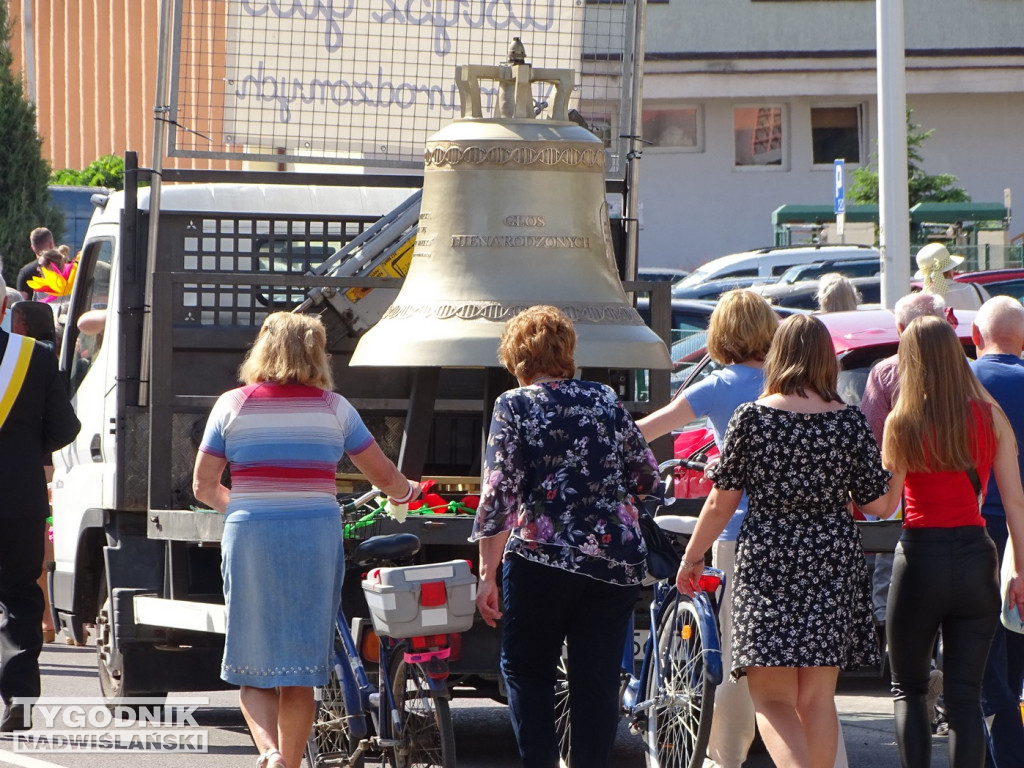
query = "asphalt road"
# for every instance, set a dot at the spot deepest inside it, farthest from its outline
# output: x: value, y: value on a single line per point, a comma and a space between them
x: 483, y: 734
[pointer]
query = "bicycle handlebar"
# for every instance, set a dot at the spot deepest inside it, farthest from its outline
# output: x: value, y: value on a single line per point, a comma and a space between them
x: 699, y: 466
x: 353, y: 504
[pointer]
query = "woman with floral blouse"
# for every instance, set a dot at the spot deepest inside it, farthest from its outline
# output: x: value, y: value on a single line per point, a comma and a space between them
x: 563, y: 469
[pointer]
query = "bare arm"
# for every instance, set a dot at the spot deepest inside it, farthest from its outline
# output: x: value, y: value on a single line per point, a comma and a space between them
x: 206, y: 484
x: 382, y: 472
x: 665, y: 419
x: 718, y: 509
x: 488, y: 597
x: 886, y: 504
x: 1007, y: 474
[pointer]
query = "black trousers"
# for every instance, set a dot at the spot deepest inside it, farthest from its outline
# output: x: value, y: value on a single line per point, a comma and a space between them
x: 941, y: 578
x: 545, y: 606
x: 21, y: 636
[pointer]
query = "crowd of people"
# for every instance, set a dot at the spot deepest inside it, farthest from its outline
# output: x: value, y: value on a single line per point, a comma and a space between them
x: 562, y: 557
x: 794, y: 460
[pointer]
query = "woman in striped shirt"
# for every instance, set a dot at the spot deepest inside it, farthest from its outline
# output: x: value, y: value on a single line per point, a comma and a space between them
x: 283, y: 434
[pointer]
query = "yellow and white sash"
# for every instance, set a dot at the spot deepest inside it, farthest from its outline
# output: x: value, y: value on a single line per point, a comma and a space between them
x: 13, y: 368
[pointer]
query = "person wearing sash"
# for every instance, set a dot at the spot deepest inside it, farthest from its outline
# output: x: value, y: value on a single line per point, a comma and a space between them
x: 36, y: 418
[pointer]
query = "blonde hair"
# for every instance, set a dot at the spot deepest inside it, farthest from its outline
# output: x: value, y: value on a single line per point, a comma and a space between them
x: 540, y: 341
x: 802, y: 357
x: 931, y: 428
x: 741, y: 328
x: 837, y: 293
x: 290, y: 348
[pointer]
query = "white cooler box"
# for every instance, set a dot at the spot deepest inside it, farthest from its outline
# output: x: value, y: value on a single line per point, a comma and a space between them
x: 417, y: 600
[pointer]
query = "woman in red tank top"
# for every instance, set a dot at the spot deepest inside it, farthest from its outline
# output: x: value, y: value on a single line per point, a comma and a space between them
x: 943, y: 438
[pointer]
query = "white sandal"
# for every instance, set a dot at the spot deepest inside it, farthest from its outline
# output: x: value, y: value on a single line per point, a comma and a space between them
x: 270, y: 759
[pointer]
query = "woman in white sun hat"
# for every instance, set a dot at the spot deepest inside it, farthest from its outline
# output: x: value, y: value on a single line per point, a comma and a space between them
x: 936, y: 265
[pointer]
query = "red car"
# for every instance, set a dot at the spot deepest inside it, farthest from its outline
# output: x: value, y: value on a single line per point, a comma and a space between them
x: 860, y: 338
x: 998, y: 282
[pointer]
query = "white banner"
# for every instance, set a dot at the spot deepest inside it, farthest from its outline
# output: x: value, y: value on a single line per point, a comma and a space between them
x: 373, y: 76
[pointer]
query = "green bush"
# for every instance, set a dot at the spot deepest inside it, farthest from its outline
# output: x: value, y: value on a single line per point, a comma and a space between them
x: 106, y: 171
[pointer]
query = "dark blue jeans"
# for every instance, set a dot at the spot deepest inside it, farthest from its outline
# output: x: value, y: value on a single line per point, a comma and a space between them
x: 1004, y: 676
x: 941, y: 577
x: 545, y: 606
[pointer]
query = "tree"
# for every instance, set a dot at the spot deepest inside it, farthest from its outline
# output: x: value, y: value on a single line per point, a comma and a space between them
x: 24, y: 199
x: 106, y: 171
x: 922, y: 187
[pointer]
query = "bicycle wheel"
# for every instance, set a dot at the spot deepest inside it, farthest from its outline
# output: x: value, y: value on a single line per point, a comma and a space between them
x: 331, y: 741
x: 679, y: 720
x: 427, y: 739
x: 562, y: 729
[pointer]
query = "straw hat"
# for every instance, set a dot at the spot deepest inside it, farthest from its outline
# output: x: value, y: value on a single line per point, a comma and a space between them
x: 934, y: 259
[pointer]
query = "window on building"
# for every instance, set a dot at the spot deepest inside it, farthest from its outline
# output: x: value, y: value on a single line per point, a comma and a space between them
x: 835, y: 134
x: 759, y: 136
x: 677, y: 128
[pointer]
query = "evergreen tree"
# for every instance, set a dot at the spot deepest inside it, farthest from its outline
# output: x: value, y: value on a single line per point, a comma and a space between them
x: 24, y: 199
x: 922, y: 188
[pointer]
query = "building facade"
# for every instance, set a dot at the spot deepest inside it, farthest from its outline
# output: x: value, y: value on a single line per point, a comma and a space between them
x: 748, y: 103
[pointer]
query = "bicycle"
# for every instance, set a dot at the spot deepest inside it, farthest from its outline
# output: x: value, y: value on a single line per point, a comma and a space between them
x: 404, y: 719
x: 669, y: 701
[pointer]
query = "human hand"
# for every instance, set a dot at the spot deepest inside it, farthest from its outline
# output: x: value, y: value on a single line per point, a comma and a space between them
x: 709, y: 464
x: 1015, y: 594
x: 688, y: 577
x: 488, y: 602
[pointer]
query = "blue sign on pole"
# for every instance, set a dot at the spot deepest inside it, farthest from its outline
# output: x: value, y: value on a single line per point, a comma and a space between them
x: 840, y: 191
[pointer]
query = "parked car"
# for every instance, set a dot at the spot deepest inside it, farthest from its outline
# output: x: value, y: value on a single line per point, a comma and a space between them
x: 772, y: 262
x: 860, y: 340
x: 998, y: 282
x: 853, y: 268
x: 712, y: 290
x: 661, y: 274
x: 803, y: 295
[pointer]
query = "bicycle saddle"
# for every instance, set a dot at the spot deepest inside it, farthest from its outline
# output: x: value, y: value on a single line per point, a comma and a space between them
x: 393, y: 546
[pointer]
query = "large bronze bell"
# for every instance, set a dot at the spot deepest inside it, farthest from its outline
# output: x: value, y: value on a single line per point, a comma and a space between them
x: 513, y: 215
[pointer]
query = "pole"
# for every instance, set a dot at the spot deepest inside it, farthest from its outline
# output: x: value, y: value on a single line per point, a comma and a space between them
x: 631, y: 203
x: 160, y: 116
x: 893, y: 189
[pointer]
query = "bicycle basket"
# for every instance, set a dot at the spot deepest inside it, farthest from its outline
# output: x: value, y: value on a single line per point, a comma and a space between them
x: 361, y: 523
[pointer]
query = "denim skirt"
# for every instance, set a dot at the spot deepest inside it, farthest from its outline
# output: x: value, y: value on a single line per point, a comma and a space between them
x: 282, y: 570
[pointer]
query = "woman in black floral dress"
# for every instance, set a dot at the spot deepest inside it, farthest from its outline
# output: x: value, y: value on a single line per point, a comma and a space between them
x: 802, y: 601
x: 563, y: 467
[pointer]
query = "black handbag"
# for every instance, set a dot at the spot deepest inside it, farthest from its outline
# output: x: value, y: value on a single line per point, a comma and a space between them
x: 662, y: 557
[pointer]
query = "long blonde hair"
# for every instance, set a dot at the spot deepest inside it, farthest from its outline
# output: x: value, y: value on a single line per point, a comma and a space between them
x: 931, y: 427
x: 290, y: 348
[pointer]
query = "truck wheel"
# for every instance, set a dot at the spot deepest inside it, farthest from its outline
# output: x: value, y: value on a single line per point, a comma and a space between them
x: 115, y: 679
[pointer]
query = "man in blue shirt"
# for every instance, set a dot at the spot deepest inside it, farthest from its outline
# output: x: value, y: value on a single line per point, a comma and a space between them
x: 998, y: 333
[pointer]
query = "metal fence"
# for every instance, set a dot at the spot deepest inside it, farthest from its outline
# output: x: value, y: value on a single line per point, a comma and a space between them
x: 989, y: 256
x: 366, y: 82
